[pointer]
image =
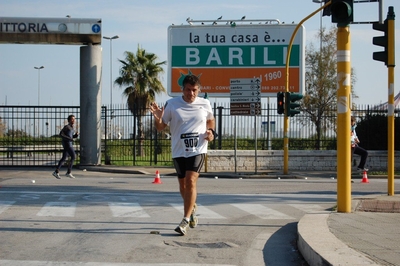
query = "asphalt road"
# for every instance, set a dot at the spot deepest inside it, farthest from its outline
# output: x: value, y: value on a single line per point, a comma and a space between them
x: 122, y: 219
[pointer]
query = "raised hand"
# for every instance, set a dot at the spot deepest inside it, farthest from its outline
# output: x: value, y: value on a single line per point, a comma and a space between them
x: 157, y: 111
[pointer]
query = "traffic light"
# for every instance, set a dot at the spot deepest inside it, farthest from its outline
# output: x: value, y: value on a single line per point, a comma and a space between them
x: 342, y: 12
x: 291, y: 105
x: 381, y: 41
x: 327, y: 10
x: 281, y: 103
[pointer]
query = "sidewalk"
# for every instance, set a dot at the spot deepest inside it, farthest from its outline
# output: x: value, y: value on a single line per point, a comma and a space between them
x: 369, y: 235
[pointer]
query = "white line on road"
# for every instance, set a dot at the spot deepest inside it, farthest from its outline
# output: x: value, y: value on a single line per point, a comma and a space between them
x: 71, y: 263
x: 127, y: 209
x: 59, y: 209
x: 203, y: 212
x: 4, y: 205
x: 308, y: 208
x: 262, y: 211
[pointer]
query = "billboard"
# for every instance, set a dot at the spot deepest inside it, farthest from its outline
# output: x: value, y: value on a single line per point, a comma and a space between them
x: 219, y: 53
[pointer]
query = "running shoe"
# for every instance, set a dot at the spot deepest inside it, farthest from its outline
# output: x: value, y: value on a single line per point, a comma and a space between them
x: 193, y: 218
x: 362, y: 169
x: 69, y: 175
x: 182, y: 227
x: 56, y: 175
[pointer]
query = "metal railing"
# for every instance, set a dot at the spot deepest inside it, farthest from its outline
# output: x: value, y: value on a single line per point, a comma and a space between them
x: 29, y: 134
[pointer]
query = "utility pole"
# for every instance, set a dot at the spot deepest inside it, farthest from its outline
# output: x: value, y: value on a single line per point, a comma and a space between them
x: 287, y: 101
x: 342, y: 14
x: 387, y: 56
x: 391, y: 106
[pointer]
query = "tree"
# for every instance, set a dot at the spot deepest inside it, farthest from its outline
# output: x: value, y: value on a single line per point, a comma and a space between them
x: 16, y: 133
x: 319, y: 102
x: 139, y: 74
x: 2, y: 128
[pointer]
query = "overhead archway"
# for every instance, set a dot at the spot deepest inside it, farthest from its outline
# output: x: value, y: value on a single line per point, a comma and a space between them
x: 70, y: 31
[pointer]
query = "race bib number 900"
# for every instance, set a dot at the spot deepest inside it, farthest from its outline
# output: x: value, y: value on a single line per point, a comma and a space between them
x: 190, y: 141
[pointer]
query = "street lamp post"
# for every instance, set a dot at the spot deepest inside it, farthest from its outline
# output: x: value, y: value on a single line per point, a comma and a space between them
x: 39, y: 68
x: 321, y: 2
x: 111, y: 83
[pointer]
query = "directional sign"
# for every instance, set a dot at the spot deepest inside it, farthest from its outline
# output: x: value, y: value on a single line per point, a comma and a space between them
x: 245, y: 112
x: 218, y: 53
x: 246, y: 93
x: 246, y: 100
x: 246, y: 105
x: 245, y: 96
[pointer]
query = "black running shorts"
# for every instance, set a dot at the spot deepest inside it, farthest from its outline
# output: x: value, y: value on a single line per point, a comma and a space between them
x: 194, y: 163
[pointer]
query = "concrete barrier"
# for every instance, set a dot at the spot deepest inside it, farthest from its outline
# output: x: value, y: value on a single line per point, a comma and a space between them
x: 310, y: 160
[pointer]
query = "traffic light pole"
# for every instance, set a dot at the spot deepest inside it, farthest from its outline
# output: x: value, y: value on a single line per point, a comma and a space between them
x: 391, y: 106
x: 343, y: 119
x: 286, y: 116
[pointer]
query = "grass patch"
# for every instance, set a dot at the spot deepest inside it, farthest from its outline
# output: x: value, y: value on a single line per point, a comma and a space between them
x: 381, y: 173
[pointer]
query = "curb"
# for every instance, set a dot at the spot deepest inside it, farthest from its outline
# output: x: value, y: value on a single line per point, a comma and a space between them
x: 118, y: 170
x: 326, y: 249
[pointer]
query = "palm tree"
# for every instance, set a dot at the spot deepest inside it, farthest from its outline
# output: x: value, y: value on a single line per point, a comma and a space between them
x: 139, y: 74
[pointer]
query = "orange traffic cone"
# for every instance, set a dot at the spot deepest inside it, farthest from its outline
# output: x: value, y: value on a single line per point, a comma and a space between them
x: 157, y: 179
x: 365, y: 177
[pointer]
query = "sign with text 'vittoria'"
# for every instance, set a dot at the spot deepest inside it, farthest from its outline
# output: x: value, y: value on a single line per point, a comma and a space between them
x: 218, y: 53
x: 50, y: 30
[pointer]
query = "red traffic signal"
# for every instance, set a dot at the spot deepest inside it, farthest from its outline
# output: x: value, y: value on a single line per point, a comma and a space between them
x: 280, y: 103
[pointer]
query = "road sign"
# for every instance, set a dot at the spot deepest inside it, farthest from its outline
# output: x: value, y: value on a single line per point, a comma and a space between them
x: 245, y: 96
x: 218, y: 53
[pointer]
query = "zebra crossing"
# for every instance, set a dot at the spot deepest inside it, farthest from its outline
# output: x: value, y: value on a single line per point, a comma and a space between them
x: 136, y: 210
x: 64, y: 225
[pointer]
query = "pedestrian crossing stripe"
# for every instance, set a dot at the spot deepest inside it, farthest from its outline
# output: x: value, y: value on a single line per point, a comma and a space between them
x: 307, y: 208
x: 135, y: 210
x: 262, y: 212
x: 58, y: 209
x: 4, y: 205
x: 125, y: 209
x: 81, y: 263
x: 205, y: 213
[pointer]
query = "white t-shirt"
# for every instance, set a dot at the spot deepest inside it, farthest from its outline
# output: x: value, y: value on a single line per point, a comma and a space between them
x: 188, y: 125
x: 353, y: 137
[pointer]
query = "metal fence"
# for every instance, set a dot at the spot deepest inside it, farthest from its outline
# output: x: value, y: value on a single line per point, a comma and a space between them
x: 29, y: 134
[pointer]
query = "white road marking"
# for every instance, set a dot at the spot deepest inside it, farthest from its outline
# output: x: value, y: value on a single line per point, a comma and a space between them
x: 203, y: 212
x: 72, y: 263
x: 63, y: 209
x: 127, y: 209
x: 262, y: 211
x: 308, y: 208
x: 4, y: 205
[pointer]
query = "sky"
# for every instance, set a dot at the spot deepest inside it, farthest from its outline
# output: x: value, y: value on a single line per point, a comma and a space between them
x: 145, y: 24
